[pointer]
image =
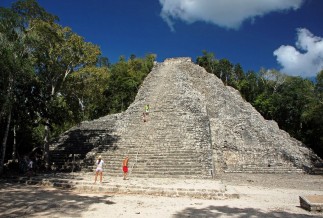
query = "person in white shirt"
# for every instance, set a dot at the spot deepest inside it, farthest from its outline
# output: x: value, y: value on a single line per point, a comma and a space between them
x: 99, y: 169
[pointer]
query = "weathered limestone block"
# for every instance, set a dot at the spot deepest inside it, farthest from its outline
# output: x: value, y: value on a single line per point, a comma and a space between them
x: 312, y: 203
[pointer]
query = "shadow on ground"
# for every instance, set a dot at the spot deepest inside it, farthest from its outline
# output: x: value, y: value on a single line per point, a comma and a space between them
x: 225, y: 211
x: 21, y: 201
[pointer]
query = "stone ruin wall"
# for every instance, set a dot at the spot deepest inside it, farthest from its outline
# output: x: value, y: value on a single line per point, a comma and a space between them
x: 242, y: 140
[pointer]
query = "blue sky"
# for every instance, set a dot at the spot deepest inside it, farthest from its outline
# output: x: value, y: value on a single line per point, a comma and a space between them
x: 286, y: 35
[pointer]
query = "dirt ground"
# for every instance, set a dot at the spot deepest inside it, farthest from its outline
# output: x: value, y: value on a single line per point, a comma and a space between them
x: 261, y: 195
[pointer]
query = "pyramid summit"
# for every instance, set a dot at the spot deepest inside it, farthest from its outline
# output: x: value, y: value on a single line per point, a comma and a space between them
x: 196, y: 128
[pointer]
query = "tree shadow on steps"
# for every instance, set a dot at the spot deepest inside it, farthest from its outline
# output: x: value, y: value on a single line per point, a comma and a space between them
x: 71, y: 149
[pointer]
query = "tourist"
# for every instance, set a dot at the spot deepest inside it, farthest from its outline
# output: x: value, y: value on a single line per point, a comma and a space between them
x: 99, y: 169
x: 147, y: 109
x: 125, y: 167
x: 144, y: 118
x: 29, y: 167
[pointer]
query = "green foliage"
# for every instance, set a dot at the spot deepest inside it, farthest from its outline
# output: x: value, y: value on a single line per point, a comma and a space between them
x: 224, y: 70
x: 207, y: 61
x: 14, y: 59
x: 125, y: 80
x: 30, y: 10
x: 37, y: 57
x: 290, y: 101
x: 58, y: 54
x: 312, y: 117
x: 86, y: 86
x: 16, y: 73
x: 264, y: 104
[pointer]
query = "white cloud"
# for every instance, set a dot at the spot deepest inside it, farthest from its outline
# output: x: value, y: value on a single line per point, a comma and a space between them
x: 306, y: 59
x: 225, y: 13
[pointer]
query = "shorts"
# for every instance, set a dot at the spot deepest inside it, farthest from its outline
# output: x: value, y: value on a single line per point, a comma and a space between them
x: 99, y: 170
x: 125, y: 169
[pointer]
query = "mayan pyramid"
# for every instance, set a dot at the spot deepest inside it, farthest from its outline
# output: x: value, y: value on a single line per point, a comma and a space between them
x: 197, y: 128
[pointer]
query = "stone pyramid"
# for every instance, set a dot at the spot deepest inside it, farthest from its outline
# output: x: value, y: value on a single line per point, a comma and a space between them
x: 196, y: 128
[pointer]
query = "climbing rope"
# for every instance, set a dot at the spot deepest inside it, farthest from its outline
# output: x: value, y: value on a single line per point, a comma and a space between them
x: 134, y: 162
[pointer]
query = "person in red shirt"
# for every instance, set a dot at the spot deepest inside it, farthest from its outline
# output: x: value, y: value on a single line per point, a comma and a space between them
x: 125, y: 167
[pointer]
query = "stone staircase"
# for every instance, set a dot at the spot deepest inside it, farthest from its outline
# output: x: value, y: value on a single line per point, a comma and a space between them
x: 174, y: 142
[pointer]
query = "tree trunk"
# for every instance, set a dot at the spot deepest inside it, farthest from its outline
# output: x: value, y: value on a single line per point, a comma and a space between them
x: 46, y: 136
x: 14, y: 146
x: 4, y: 143
x: 46, y: 145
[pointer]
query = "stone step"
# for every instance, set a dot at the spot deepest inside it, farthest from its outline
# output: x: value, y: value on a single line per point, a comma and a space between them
x: 149, y: 175
x: 157, y: 149
x: 154, y: 162
x: 265, y: 170
x: 161, y: 150
x: 183, y: 158
x: 317, y: 170
x: 146, y: 163
x: 169, y: 159
x: 155, y: 175
x: 173, y: 158
x: 153, y: 150
x: 160, y: 169
x: 119, y: 173
x: 175, y: 187
x: 158, y: 163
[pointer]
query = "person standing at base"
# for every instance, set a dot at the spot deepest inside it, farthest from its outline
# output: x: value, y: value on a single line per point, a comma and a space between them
x: 125, y: 167
x: 30, y: 168
x: 99, y: 169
